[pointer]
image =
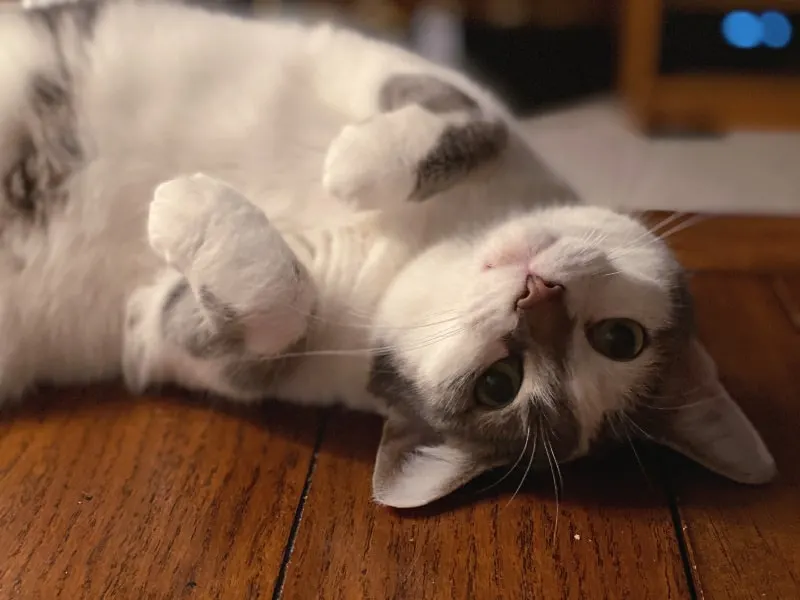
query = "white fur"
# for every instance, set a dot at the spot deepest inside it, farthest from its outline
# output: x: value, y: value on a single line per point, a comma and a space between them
x: 284, y: 115
x: 256, y: 108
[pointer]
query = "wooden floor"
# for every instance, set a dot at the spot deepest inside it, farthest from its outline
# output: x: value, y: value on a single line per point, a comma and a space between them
x: 105, y: 496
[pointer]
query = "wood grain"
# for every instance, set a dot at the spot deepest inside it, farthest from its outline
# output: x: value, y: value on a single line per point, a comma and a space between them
x: 744, y: 541
x: 749, y: 244
x: 787, y: 291
x: 615, y: 537
x: 719, y: 103
x: 103, y: 496
x: 639, y: 41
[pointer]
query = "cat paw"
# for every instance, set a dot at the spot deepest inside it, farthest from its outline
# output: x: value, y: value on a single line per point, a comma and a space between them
x: 374, y: 164
x: 235, y: 261
x: 188, y: 212
x: 201, y: 219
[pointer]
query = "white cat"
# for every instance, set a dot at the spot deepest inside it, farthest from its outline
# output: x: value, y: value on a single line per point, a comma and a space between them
x: 383, y: 238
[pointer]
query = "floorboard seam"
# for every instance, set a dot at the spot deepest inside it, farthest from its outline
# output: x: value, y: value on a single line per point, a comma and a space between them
x: 277, y: 591
x: 683, y: 545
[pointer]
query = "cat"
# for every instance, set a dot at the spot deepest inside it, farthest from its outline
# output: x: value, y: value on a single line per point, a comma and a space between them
x: 270, y: 209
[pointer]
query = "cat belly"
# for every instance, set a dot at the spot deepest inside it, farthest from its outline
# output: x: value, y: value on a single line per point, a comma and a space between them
x: 351, y: 268
x: 64, y: 287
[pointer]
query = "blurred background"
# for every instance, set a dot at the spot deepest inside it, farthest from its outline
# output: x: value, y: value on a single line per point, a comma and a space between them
x: 689, y: 105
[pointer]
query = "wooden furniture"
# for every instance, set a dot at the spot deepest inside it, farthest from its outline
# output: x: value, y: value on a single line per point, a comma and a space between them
x: 106, y: 496
x: 702, y: 103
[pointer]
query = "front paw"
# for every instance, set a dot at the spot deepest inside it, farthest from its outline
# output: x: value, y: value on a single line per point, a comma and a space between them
x: 198, y: 214
x: 374, y: 164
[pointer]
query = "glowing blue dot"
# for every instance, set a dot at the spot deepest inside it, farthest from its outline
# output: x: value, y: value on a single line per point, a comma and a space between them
x: 742, y: 29
x: 777, y: 29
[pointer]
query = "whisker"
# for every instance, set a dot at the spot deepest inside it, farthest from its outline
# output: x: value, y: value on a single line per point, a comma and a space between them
x: 677, y: 407
x: 661, y: 225
x: 527, y: 470
x: 635, y: 425
x: 370, y: 326
x: 690, y: 222
x: 439, y: 337
x: 555, y: 483
x: 631, y: 445
x: 512, y: 468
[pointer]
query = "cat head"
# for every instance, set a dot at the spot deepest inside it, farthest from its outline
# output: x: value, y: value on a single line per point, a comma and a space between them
x: 535, y: 340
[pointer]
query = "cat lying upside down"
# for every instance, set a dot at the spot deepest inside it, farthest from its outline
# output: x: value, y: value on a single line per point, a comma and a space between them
x: 369, y: 229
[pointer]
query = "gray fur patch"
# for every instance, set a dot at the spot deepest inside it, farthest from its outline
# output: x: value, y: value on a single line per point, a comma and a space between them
x: 48, y: 152
x: 203, y: 333
x: 223, y: 314
x: 460, y: 150
x: 208, y: 328
x: 670, y: 344
x: 253, y: 374
x: 387, y: 382
x: 80, y: 16
x: 429, y: 92
x: 491, y: 435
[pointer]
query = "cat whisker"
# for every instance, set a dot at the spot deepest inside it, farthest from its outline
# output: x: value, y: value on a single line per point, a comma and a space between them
x: 611, y: 274
x: 677, y: 407
x: 370, y: 326
x: 624, y: 417
x: 666, y: 221
x: 690, y: 222
x: 527, y: 469
x: 706, y: 398
x: 651, y: 231
x: 657, y: 232
x: 374, y: 327
x: 369, y: 350
x: 632, y: 447
x: 512, y: 468
x: 550, y: 460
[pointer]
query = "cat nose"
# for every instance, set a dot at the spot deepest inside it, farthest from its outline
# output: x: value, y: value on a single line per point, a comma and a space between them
x: 539, y: 290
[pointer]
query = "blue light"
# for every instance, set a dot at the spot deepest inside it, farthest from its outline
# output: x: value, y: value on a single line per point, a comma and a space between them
x: 742, y: 29
x: 777, y: 29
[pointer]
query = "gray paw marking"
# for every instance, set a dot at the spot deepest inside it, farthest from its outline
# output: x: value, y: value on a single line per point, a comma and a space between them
x: 426, y: 90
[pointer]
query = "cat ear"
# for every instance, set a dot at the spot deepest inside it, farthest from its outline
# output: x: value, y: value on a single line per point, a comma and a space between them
x: 416, y: 467
x: 704, y: 423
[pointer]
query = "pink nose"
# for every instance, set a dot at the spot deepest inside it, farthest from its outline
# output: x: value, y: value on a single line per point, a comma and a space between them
x: 538, y: 290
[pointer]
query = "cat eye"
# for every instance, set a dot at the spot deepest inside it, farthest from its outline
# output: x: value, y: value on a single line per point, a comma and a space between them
x: 618, y: 339
x: 498, y: 385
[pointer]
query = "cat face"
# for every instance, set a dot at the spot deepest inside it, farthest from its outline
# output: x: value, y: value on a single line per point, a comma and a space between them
x: 534, y: 340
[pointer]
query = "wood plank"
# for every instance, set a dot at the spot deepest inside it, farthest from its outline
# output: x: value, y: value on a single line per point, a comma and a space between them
x: 720, y: 103
x: 639, y: 42
x: 106, y: 496
x: 615, y: 537
x: 746, y: 243
x: 787, y: 290
x: 743, y: 539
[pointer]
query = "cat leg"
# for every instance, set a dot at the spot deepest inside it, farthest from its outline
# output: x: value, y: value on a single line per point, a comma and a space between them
x: 428, y: 136
x: 233, y: 299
